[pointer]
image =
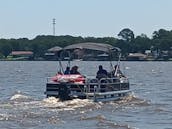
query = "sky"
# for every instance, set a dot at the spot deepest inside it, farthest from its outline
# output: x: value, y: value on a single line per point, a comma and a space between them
x: 86, y: 18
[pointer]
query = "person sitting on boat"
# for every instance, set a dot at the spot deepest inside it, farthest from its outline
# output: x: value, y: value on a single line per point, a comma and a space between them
x: 101, y: 73
x: 74, y: 70
x: 67, y: 71
x: 116, y: 72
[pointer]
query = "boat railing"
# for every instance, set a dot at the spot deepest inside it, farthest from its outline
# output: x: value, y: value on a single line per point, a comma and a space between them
x: 105, y: 84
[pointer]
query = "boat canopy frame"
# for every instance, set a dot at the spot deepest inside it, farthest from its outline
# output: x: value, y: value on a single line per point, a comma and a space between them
x: 107, y: 48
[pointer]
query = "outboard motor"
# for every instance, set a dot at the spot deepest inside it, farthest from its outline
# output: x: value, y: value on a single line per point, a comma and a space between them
x: 64, y: 91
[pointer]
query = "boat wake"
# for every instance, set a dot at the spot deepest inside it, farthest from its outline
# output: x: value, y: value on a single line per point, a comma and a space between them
x: 52, y: 102
x: 20, y: 97
x: 134, y: 101
x: 102, y: 122
x: 130, y: 101
x: 29, y: 112
x: 21, y: 100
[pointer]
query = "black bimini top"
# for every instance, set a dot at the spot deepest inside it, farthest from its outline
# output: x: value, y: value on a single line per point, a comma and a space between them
x: 93, y: 46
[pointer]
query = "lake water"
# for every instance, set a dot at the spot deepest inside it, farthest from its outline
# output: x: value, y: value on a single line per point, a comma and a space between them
x: 23, y: 104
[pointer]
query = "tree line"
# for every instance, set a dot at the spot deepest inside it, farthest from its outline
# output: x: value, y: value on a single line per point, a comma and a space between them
x: 126, y: 40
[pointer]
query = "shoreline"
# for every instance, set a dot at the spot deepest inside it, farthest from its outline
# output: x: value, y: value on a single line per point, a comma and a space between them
x: 94, y: 60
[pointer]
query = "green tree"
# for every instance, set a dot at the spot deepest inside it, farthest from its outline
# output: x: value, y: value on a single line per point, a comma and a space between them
x: 141, y: 43
x: 161, y: 34
x: 126, y: 35
x: 6, y: 49
x: 162, y: 39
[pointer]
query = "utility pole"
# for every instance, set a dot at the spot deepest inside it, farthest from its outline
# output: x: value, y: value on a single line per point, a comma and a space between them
x: 54, y: 29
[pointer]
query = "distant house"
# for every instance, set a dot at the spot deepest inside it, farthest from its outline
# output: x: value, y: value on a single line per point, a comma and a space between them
x: 103, y: 57
x: 170, y: 52
x: 54, y: 49
x: 150, y: 55
x: 165, y: 55
x: 136, y: 57
x: 21, y: 55
x: 52, y: 53
x: 148, y: 52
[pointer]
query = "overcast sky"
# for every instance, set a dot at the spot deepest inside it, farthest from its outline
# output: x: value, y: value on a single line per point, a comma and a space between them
x: 98, y: 18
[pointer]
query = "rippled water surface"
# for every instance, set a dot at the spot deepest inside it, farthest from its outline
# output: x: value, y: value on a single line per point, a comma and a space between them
x: 23, y: 104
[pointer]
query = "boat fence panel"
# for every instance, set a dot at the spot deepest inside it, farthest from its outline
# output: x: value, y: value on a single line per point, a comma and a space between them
x: 107, y: 84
